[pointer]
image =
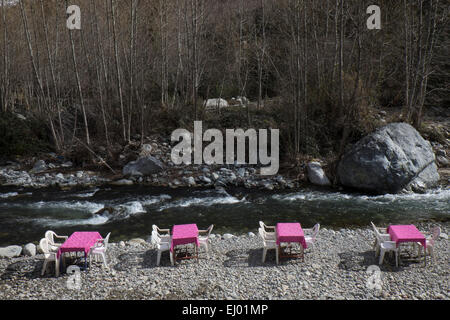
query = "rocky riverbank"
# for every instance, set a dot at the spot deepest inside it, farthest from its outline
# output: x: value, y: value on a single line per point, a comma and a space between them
x: 336, y: 268
x: 155, y: 158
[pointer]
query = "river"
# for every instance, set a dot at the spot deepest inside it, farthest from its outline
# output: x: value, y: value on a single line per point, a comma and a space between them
x: 25, y: 214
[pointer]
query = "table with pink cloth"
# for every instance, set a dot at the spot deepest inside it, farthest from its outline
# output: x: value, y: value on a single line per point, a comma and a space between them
x: 406, y: 233
x: 184, y: 234
x: 290, y: 232
x: 79, y: 241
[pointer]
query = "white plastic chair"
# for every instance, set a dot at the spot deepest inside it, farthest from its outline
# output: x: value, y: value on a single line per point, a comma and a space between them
x: 269, y: 234
x: 161, y: 246
x: 386, y: 246
x: 268, y: 244
x: 311, y: 239
x: 50, y: 236
x: 382, y: 235
x: 204, y: 240
x: 49, y: 256
x: 99, y: 250
x: 435, y: 232
x: 164, y: 237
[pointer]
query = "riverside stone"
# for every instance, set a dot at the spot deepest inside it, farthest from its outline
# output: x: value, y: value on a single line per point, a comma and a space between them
x: 10, y: 252
x: 39, y: 166
x: 392, y: 159
x: 144, y: 166
x: 316, y: 174
x: 29, y: 250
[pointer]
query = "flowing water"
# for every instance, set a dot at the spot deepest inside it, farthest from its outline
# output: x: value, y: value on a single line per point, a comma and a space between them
x: 25, y: 215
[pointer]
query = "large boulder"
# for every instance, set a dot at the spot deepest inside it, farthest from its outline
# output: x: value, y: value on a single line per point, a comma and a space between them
x: 143, y: 167
x: 392, y: 159
x: 213, y: 104
x: 10, y: 252
x: 29, y: 250
x: 316, y: 175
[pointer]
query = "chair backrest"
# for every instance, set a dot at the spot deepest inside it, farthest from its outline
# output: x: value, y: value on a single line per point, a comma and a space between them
x: 435, y: 232
x: 263, y: 234
x: 378, y: 235
x: 156, y: 240
x: 210, y: 228
x: 106, y: 240
x: 316, y: 229
x: 45, y: 246
x: 377, y: 232
x: 49, y: 235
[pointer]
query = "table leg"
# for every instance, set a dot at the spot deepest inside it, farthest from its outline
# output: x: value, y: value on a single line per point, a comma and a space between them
x: 425, y: 256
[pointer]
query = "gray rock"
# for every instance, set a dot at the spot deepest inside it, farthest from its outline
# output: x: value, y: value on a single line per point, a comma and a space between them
x: 137, y: 241
x: 316, y: 174
x: 10, y: 252
x: 122, y: 244
x: 228, y: 236
x: 29, y: 250
x: 392, y: 159
x: 443, y: 161
x: 190, y: 181
x: 205, y: 179
x: 242, y: 172
x: 39, y: 166
x: 21, y: 117
x: 212, y: 104
x: 122, y: 182
x: 67, y: 164
x: 251, y: 234
x: 146, y: 150
x: 144, y: 166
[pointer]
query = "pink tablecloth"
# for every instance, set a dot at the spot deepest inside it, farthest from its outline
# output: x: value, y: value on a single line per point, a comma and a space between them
x: 290, y: 232
x: 406, y: 233
x: 79, y: 241
x: 184, y: 234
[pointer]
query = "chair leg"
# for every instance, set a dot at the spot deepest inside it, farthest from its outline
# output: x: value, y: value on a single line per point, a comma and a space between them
x: 276, y: 255
x: 158, y: 259
x: 171, y: 257
x: 44, y: 267
x: 381, y: 257
x: 104, y: 260
x: 264, y: 255
x: 431, y: 251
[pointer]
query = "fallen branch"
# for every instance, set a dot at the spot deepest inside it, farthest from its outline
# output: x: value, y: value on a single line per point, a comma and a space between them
x: 100, y: 158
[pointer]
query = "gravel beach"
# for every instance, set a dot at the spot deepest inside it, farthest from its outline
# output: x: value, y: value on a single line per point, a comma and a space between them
x: 335, y: 268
